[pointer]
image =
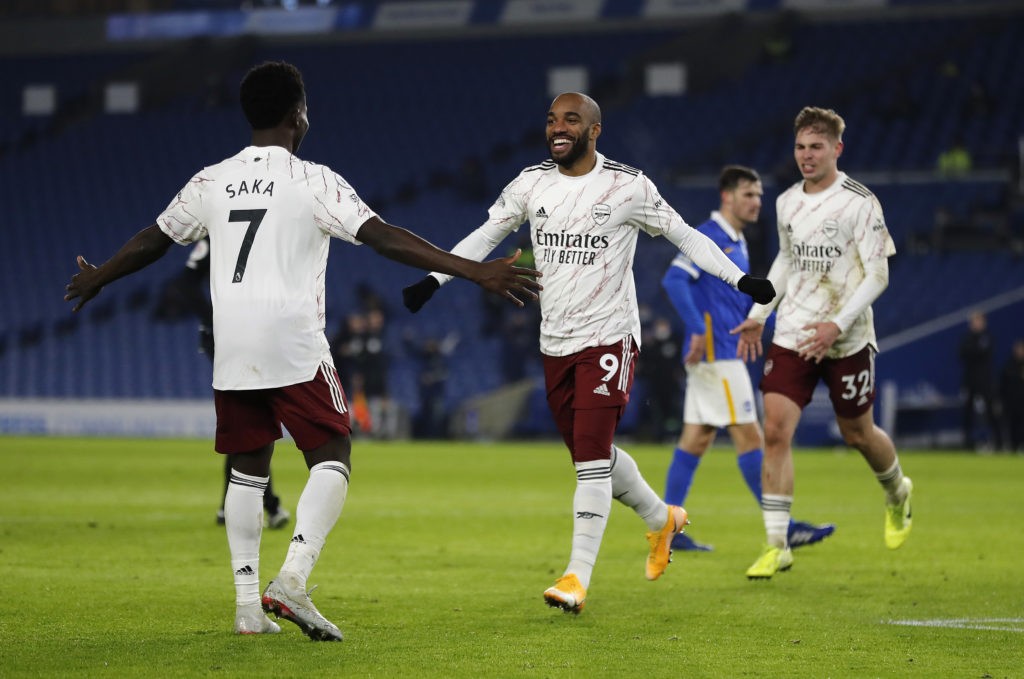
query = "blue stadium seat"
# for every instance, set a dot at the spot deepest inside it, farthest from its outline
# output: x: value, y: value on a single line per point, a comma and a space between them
x: 384, y: 124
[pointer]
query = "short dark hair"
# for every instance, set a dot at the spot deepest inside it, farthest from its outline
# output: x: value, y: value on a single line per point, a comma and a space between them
x: 269, y: 91
x: 732, y: 175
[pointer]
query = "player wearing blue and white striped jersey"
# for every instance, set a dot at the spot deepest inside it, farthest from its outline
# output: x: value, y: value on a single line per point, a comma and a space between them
x: 719, y: 393
x: 585, y: 213
x: 832, y: 264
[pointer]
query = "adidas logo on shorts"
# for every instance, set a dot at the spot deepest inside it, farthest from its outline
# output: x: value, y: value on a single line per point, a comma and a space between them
x: 602, y: 389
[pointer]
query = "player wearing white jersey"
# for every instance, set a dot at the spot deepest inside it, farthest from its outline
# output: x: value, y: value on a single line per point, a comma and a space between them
x: 268, y: 317
x: 832, y: 264
x: 829, y: 243
x: 585, y: 212
x: 584, y: 230
x: 269, y: 216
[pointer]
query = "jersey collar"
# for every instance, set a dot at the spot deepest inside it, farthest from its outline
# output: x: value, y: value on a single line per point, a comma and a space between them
x: 732, y: 233
x: 837, y: 185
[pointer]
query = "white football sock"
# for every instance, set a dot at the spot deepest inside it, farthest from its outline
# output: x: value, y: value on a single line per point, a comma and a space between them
x: 630, y: 488
x: 591, y: 505
x: 891, y: 480
x: 315, y: 515
x: 243, y: 521
x: 776, y: 510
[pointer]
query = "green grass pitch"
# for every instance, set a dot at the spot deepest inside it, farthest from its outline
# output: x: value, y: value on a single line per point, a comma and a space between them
x: 112, y: 566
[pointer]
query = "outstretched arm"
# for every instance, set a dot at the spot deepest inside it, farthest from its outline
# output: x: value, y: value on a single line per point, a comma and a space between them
x: 477, y: 245
x: 703, y: 252
x: 140, y: 251
x: 498, y: 275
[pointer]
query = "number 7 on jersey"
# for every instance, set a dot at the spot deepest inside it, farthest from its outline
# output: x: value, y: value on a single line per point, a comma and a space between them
x: 255, y: 218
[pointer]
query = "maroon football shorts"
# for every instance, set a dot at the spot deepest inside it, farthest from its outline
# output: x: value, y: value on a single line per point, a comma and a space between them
x: 314, y: 412
x: 850, y: 380
x: 587, y: 394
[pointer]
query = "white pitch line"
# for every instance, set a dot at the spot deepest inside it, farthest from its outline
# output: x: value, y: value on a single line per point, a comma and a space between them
x: 990, y: 624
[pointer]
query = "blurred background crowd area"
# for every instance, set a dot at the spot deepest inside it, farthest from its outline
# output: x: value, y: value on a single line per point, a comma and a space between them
x: 429, y: 108
x: 49, y: 9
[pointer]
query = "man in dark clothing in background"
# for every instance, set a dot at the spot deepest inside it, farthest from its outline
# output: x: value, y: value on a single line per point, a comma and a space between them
x: 978, y: 392
x: 1012, y: 391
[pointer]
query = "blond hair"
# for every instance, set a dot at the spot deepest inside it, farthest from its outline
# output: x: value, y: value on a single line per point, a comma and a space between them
x: 820, y: 120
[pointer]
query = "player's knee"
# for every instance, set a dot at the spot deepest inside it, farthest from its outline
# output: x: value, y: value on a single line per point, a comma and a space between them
x: 746, y: 437
x: 775, y: 435
x: 593, y: 431
x: 695, y: 442
x: 337, y: 449
x: 856, y: 436
x: 590, y: 447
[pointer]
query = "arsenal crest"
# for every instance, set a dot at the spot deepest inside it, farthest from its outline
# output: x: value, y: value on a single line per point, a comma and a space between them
x: 831, y: 228
x: 600, y: 213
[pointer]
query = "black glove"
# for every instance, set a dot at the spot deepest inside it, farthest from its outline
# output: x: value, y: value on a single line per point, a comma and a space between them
x: 417, y: 294
x: 760, y: 289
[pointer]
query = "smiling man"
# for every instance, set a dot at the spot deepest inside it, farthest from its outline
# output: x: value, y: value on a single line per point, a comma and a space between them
x: 585, y: 213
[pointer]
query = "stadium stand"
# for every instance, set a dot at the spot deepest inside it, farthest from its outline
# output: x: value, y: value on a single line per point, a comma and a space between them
x: 400, y: 130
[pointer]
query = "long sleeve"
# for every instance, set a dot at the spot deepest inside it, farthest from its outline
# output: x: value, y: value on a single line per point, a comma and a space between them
x: 703, y: 252
x: 476, y: 245
x: 876, y: 280
x: 676, y: 282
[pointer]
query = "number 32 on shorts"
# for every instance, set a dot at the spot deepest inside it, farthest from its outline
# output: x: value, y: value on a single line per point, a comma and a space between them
x: 857, y: 386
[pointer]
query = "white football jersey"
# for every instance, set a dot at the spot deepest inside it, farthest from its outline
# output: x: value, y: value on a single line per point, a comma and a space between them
x: 269, y: 216
x: 584, y: 232
x: 828, y: 236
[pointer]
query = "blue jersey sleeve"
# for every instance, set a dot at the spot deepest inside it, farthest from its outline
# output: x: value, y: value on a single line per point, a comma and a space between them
x: 677, y: 284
